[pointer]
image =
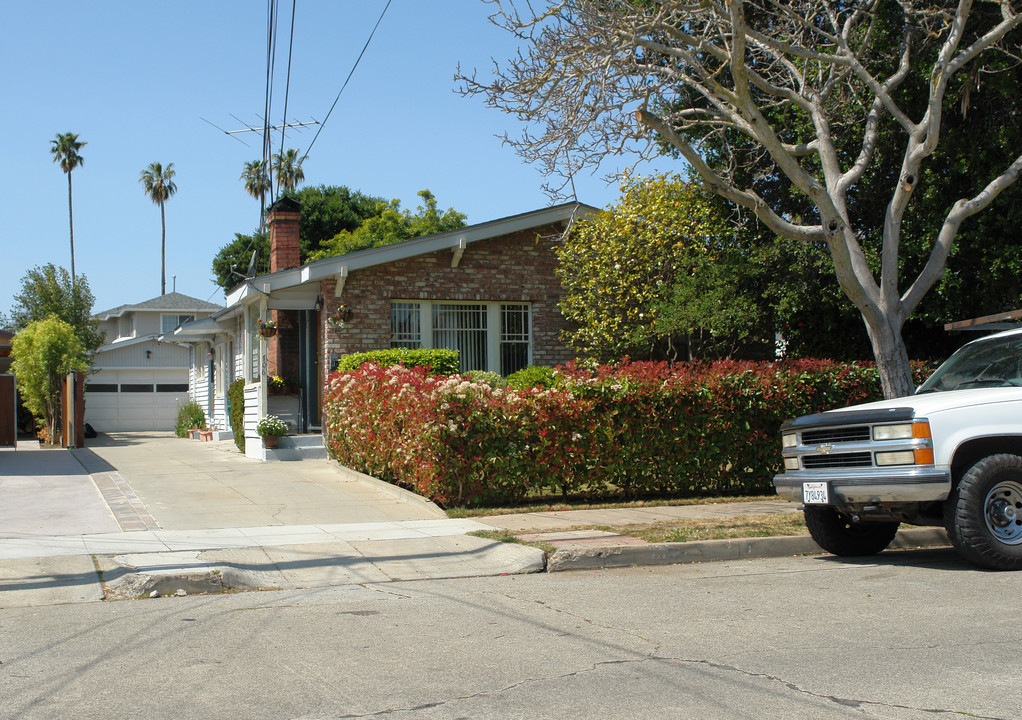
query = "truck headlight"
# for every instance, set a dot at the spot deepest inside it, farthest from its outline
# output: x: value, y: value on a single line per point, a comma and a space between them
x: 791, y: 463
x: 789, y: 441
x: 920, y: 429
x: 902, y: 431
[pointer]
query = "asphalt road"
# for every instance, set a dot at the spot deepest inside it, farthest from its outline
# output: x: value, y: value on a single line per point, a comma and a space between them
x: 914, y: 634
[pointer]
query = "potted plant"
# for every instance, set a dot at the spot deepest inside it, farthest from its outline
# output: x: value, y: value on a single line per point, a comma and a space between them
x: 270, y: 429
x: 267, y: 328
x: 276, y: 385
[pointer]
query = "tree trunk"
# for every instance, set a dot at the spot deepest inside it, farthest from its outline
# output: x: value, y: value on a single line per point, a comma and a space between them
x: 71, y: 225
x: 163, y: 253
x: 891, y: 357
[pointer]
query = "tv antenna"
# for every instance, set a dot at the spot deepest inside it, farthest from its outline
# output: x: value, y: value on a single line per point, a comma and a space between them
x: 261, y: 129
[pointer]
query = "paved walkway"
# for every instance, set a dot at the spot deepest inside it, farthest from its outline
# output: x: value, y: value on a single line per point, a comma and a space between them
x: 138, y: 514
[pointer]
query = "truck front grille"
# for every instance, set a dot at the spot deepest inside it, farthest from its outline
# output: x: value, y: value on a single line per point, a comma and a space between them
x: 826, y: 436
x: 839, y: 460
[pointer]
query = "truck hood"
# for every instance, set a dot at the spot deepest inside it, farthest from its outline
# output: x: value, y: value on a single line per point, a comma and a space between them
x: 938, y: 402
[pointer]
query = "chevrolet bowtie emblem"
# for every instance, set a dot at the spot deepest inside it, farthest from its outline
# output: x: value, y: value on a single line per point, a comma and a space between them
x: 824, y: 449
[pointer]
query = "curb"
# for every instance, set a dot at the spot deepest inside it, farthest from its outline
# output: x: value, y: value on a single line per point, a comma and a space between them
x: 593, y: 558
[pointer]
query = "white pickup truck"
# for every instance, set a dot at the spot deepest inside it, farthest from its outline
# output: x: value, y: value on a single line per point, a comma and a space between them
x: 951, y: 455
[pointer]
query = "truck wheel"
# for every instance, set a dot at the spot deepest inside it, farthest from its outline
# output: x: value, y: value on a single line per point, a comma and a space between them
x: 836, y: 533
x: 984, y: 513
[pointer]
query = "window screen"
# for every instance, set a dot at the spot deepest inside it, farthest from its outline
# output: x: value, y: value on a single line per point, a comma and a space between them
x: 462, y: 328
x: 405, y: 325
x: 515, y: 338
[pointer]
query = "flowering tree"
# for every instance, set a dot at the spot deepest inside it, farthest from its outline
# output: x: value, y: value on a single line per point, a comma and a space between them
x: 809, y: 90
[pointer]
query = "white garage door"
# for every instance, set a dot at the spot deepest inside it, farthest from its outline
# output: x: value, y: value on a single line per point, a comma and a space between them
x: 130, y: 400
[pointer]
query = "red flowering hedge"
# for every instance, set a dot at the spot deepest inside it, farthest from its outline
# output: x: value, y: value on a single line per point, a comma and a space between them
x: 633, y: 429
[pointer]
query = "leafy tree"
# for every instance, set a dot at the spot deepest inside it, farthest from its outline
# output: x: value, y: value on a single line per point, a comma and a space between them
x: 65, y: 149
x: 257, y: 184
x: 45, y: 351
x: 49, y: 291
x: 231, y: 263
x: 664, y: 274
x: 393, y: 225
x: 287, y: 167
x: 326, y: 211
x: 158, y: 182
x: 810, y: 87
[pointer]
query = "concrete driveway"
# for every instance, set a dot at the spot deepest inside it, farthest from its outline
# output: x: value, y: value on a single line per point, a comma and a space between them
x: 182, y: 484
x: 48, y: 492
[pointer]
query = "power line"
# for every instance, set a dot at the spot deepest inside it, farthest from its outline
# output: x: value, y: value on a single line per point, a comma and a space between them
x: 323, y: 124
x: 287, y: 84
x: 271, y: 56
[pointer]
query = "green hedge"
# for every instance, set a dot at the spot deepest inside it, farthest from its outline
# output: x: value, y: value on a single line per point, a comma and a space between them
x: 236, y: 394
x: 640, y: 429
x: 439, y: 362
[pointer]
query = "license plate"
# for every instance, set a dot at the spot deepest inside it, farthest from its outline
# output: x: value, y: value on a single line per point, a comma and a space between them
x: 815, y: 493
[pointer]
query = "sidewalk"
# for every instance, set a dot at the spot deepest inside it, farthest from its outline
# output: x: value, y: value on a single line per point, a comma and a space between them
x: 188, y: 545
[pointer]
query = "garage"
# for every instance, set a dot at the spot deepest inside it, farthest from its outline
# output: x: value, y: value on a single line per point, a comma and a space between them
x: 132, y: 400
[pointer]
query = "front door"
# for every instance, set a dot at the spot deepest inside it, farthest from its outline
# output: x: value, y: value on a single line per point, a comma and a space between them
x: 8, y: 412
x: 308, y: 361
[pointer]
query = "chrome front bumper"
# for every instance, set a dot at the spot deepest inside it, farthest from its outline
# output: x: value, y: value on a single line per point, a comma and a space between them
x: 888, y: 486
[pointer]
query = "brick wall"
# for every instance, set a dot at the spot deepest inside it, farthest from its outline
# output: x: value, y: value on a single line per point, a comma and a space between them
x: 510, y: 268
x: 284, y: 244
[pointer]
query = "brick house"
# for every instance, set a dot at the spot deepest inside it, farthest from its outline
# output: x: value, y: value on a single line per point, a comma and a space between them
x: 487, y: 290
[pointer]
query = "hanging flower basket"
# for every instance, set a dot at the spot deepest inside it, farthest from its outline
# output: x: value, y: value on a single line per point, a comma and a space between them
x: 267, y: 328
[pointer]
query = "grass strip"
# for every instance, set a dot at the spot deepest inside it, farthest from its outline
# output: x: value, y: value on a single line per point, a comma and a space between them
x: 556, y: 506
x: 690, y: 530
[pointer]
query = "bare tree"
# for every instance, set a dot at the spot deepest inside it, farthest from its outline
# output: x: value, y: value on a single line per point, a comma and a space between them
x: 803, y: 87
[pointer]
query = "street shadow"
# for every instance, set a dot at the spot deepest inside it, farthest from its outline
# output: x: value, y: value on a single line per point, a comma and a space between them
x: 941, y: 558
x: 126, y: 439
x: 92, y: 462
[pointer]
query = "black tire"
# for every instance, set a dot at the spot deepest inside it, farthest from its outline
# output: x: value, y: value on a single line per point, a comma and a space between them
x: 983, y: 515
x: 836, y: 533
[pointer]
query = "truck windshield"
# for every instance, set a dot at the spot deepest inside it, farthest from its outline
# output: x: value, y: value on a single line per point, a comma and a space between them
x: 984, y: 363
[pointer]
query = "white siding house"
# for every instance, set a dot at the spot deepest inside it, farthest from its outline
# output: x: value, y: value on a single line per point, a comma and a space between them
x: 138, y: 381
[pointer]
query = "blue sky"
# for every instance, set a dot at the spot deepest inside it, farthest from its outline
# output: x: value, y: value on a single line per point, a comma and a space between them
x: 135, y: 81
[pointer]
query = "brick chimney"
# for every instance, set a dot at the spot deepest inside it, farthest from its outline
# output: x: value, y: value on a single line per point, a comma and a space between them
x: 283, y: 221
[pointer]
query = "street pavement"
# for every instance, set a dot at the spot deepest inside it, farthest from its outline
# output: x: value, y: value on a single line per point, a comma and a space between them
x: 149, y: 514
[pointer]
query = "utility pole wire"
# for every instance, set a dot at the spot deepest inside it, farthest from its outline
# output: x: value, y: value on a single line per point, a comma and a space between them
x: 323, y: 124
x: 287, y: 84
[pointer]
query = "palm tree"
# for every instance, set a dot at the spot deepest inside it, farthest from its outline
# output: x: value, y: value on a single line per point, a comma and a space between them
x: 257, y: 184
x: 65, y: 152
x: 287, y: 166
x: 159, y: 186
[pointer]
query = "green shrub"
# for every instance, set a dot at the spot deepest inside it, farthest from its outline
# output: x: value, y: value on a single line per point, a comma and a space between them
x: 494, y: 380
x: 236, y: 394
x: 532, y: 376
x: 438, y: 362
x: 638, y: 429
x: 190, y: 415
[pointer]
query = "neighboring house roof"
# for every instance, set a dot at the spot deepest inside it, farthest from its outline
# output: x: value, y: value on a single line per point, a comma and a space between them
x: 6, y: 341
x: 171, y: 302
x: 127, y: 342
x: 451, y: 240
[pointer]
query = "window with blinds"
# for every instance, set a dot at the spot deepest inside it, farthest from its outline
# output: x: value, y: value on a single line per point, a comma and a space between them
x: 515, y: 338
x: 463, y: 328
x: 488, y: 335
x: 405, y: 325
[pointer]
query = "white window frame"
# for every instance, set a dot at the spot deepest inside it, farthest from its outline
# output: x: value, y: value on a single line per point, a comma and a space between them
x: 179, y: 319
x: 493, y: 326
